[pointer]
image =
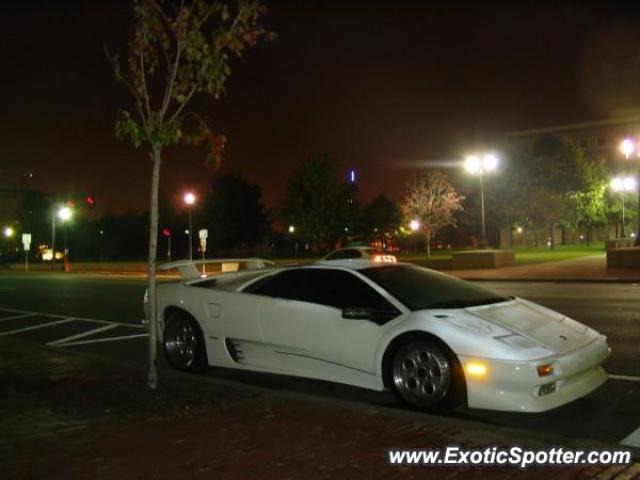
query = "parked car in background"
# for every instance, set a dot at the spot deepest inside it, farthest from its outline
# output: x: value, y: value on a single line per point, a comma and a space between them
x: 366, y: 253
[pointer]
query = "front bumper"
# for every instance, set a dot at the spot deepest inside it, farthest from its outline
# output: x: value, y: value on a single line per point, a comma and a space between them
x: 516, y: 386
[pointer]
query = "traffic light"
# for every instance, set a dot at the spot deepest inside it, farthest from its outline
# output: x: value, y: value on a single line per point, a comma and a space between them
x: 166, y: 232
x: 91, y: 201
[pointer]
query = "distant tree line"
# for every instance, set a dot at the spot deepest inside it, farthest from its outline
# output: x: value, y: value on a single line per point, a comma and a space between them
x: 548, y: 184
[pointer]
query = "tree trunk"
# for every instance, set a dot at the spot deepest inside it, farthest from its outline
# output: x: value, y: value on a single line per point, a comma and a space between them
x: 152, y: 376
x: 429, y: 245
x: 553, y: 236
x: 589, y: 231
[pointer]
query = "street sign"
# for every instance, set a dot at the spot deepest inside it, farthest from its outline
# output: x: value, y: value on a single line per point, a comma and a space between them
x: 26, y: 241
x: 203, y: 233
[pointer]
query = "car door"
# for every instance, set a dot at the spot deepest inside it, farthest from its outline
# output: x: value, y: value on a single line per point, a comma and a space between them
x: 301, y: 321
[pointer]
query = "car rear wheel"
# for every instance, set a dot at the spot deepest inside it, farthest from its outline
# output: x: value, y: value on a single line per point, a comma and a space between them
x: 183, y: 343
x: 423, y: 374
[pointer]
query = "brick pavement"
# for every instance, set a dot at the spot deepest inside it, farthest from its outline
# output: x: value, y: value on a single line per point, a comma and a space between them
x: 193, y: 430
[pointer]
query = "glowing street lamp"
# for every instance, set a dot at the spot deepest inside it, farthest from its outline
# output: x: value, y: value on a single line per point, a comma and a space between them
x: 627, y: 147
x: 64, y: 214
x: 190, y: 199
x: 480, y: 165
x: 292, y: 229
x: 8, y: 232
x: 622, y: 185
x: 414, y: 225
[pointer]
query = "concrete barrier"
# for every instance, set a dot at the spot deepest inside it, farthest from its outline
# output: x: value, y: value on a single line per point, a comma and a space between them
x: 482, y: 259
x: 618, y: 243
x: 623, y: 257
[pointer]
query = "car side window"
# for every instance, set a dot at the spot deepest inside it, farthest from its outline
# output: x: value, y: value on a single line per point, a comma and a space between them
x: 272, y: 286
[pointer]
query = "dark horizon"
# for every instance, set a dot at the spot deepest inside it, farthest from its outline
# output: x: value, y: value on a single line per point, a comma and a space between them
x: 378, y: 87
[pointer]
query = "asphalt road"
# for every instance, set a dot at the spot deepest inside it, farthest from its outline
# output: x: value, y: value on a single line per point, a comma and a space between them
x: 110, y: 309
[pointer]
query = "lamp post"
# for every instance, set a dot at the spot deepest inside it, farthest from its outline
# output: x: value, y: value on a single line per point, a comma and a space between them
x: 64, y: 214
x: 628, y: 147
x: 190, y: 199
x: 480, y: 165
x: 622, y: 185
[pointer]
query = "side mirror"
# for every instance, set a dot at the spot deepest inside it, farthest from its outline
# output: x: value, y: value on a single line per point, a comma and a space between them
x: 357, y: 313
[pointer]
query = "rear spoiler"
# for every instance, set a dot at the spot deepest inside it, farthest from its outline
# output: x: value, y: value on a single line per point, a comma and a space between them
x: 189, y: 268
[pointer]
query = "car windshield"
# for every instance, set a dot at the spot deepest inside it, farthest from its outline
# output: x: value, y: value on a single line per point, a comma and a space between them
x: 419, y: 288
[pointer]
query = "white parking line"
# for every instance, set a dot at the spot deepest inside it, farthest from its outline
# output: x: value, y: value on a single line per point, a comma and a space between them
x: 61, y: 341
x: 84, y: 319
x: 36, y: 327
x: 15, y: 317
x: 628, y: 378
x: 632, y: 440
x: 102, y: 340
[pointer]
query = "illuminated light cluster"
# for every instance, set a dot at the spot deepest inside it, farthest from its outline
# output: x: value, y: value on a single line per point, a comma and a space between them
x: 189, y: 198
x: 627, y: 147
x: 476, y: 369
x: 385, y: 259
x: 8, y: 232
x: 626, y: 184
x: 476, y: 165
x: 65, y: 213
x: 414, y: 225
x: 544, y: 370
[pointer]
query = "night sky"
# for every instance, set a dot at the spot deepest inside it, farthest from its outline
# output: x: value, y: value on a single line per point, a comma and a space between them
x: 382, y: 87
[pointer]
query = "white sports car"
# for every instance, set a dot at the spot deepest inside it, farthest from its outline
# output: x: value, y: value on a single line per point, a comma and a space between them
x: 434, y: 339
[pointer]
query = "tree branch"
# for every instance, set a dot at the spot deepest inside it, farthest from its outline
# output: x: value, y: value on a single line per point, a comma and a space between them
x: 169, y: 88
x: 144, y: 84
x: 134, y: 93
x: 184, y: 104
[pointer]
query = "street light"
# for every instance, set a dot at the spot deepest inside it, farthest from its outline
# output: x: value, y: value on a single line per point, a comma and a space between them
x: 622, y: 185
x: 190, y: 199
x: 8, y: 232
x: 64, y: 214
x: 627, y: 147
x: 480, y: 165
x: 292, y: 229
x: 414, y: 225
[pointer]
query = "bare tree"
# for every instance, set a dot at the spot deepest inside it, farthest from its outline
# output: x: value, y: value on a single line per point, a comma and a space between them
x: 179, y: 50
x: 433, y: 201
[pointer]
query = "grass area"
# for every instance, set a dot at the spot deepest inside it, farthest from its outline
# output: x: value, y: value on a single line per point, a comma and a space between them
x: 524, y: 256
x: 528, y: 256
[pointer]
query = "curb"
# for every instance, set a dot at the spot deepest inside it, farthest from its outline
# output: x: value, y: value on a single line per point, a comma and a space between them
x: 556, y: 280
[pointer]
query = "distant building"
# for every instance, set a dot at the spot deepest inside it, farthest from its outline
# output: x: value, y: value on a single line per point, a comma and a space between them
x: 598, y: 139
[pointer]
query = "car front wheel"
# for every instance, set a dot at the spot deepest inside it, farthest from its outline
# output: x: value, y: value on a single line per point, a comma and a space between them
x: 423, y: 374
x: 183, y: 343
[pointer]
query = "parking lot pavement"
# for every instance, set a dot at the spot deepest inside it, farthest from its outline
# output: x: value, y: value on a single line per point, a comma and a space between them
x: 610, y: 414
x: 78, y: 332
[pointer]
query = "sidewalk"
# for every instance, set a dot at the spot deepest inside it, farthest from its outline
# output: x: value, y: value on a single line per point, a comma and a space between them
x: 70, y: 416
x: 592, y: 268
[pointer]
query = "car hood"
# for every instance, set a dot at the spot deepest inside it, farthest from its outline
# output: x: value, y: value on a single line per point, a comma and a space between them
x: 547, y: 327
